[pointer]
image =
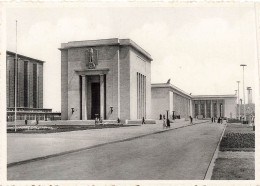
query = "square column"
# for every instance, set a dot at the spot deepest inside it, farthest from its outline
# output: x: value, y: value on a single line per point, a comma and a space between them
x: 211, y: 109
x: 205, y: 109
x: 199, y: 108
x: 84, y: 98
x: 218, y: 114
x: 102, y: 99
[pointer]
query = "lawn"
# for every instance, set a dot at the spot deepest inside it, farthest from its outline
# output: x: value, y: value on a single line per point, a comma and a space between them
x: 234, y: 169
x: 238, y: 139
x: 59, y: 128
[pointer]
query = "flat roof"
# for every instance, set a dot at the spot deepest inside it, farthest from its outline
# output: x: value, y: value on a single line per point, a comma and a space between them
x: 193, y: 97
x: 168, y: 85
x: 214, y: 96
x: 24, y: 57
x: 105, y: 42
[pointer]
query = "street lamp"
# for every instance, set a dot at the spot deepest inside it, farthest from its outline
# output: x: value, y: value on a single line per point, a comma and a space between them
x: 238, y: 99
x: 243, y: 65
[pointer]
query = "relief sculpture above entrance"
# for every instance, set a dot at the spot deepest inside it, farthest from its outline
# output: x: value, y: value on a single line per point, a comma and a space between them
x: 91, y: 58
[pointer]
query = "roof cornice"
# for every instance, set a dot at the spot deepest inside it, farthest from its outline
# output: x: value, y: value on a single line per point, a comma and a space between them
x: 24, y: 57
x: 105, y: 42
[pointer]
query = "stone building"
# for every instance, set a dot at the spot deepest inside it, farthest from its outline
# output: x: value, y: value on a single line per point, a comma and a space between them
x: 167, y: 97
x: 29, y: 101
x: 111, y: 78
x: 29, y: 78
x: 207, y: 106
x: 108, y: 78
x: 171, y: 99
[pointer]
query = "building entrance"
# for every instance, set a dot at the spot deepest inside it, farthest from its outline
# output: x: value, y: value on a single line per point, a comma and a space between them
x: 95, y: 101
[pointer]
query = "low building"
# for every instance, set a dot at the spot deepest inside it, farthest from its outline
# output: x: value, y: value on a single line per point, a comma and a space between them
x: 208, y: 106
x: 179, y: 104
x: 167, y: 97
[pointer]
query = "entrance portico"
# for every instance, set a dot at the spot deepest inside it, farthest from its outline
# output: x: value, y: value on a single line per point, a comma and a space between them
x: 208, y: 106
x: 92, y: 93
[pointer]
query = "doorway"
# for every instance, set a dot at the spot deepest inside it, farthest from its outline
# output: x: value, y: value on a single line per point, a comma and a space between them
x: 95, y: 101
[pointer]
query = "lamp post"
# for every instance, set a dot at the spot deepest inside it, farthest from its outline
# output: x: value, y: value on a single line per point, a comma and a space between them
x: 238, y: 99
x: 236, y: 105
x: 243, y: 65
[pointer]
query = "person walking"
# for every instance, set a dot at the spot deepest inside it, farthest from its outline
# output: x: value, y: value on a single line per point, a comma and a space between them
x: 168, y: 124
x: 164, y: 124
x: 191, y: 120
x: 212, y: 119
x: 143, y: 121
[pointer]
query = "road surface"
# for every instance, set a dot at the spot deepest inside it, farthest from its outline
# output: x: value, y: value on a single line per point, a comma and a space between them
x: 180, y: 154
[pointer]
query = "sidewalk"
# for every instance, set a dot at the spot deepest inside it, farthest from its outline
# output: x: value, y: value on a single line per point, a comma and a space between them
x: 21, y: 147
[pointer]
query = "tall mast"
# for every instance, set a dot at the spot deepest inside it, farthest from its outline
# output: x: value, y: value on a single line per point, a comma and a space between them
x: 15, y: 77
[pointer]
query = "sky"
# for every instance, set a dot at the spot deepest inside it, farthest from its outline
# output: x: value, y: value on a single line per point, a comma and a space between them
x: 199, y: 47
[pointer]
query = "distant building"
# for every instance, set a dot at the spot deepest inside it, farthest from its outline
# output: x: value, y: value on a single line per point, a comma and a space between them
x: 29, y: 101
x: 167, y: 97
x: 207, y: 106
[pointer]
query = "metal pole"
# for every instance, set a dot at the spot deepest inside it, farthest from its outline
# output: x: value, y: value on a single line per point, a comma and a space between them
x: 244, y: 95
x: 243, y: 65
x: 15, y: 77
x: 238, y: 100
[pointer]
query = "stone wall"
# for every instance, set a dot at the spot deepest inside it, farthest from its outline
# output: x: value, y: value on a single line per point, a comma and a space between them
x: 139, y: 64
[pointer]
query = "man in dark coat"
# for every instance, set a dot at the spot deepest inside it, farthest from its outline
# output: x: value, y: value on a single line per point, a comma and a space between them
x: 168, y: 123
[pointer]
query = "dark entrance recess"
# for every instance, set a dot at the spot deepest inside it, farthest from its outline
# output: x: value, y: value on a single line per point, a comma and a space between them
x: 95, y: 94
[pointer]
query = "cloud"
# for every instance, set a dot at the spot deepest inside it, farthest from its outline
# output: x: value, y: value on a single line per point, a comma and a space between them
x: 202, y: 56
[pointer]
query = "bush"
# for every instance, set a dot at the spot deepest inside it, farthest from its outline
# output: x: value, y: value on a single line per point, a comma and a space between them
x: 23, y: 128
x: 232, y: 120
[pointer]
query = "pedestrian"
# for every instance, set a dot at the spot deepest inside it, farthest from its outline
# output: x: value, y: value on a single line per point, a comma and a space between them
x: 168, y: 123
x: 164, y: 125
x: 101, y: 121
x: 212, y: 119
x: 143, y: 121
x: 160, y: 117
x: 96, y: 121
x: 191, y: 120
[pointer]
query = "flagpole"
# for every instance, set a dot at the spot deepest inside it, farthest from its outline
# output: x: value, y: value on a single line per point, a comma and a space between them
x: 15, y: 75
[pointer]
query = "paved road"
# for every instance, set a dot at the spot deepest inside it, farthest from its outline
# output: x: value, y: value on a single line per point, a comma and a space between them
x: 183, y: 153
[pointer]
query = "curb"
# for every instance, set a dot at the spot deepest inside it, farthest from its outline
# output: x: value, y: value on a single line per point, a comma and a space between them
x: 94, y: 146
x: 214, y: 157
